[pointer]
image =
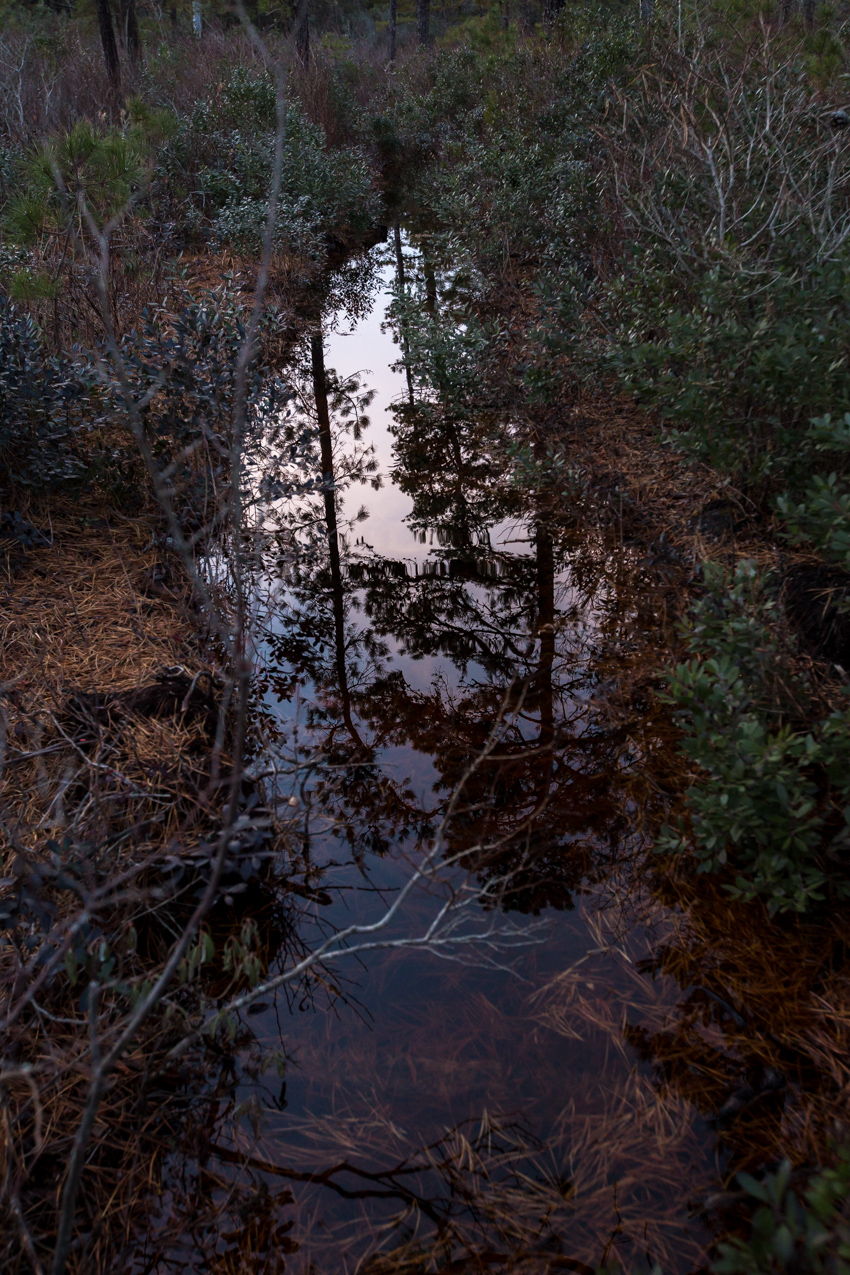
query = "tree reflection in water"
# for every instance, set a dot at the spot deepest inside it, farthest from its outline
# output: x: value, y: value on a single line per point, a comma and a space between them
x: 433, y: 1113
x: 399, y: 664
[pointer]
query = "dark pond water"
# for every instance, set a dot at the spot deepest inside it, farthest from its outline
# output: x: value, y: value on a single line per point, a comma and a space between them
x: 485, y: 1108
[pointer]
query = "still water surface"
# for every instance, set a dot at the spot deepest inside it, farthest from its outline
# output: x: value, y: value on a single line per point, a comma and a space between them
x: 439, y: 1111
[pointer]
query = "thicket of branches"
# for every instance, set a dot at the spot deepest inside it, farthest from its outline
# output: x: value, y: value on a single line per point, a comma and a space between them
x: 669, y: 190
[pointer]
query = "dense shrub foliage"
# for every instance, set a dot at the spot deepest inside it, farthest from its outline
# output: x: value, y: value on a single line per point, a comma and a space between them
x: 809, y: 1235
x: 46, y: 409
x: 220, y: 163
x: 772, y: 803
x: 180, y: 368
x: 65, y: 422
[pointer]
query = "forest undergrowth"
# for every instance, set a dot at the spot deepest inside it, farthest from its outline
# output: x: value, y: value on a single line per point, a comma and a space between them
x: 648, y: 223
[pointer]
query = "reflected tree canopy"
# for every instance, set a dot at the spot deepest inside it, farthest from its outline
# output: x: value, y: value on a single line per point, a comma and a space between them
x: 494, y: 605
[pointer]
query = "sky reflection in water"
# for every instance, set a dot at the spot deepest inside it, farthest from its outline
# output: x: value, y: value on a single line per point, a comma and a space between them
x: 550, y: 1145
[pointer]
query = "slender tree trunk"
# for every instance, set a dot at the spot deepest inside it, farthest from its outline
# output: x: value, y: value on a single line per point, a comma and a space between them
x: 541, y: 687
x: 423, y: 16
x: 430, y: 281
x: 131, y: 32
x: 302, y: 32
x: 320, y: 393
x: 399, y: 256
x: 405, y: 345
x: 393, y: 16
x: 110, y: 48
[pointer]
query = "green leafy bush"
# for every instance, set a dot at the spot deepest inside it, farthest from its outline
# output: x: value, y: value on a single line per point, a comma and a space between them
x: 742, y: 366
x: 45, y: 409
x: 181, y: 367
x: 770, y: 798
x: 821, y: 518
x: 816, y: 512
x: 683, y: 215
x: 516, y: 136
x: 808, y: 1236
x: 223, y: 153
x: 66, y: 423
x: 729, y: 189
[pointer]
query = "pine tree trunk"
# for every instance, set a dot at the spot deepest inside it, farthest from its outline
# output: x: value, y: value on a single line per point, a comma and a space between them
x: 393, y: 17
x: 131, y: 31
x: 302, y: 32
x: 423, y: 15
x: 110, y: 48
x: 430, y: 281
x: 405, y: 344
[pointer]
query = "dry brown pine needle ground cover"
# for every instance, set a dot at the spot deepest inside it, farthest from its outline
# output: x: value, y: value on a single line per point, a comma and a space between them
x: 107, y: 712
x: 95, y: 613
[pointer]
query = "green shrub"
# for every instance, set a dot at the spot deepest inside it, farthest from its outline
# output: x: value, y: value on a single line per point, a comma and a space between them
x: 182, y: 366
x: 808, y: 1236
x: 816, y: 511
x: 729, y: 190
x: 65, y: 424
x: 223, y: 154
x: 516, y: 178
x: 822, y: 518
x: 740, y: 368
x: 45, y: 409
x: 770, y: 798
